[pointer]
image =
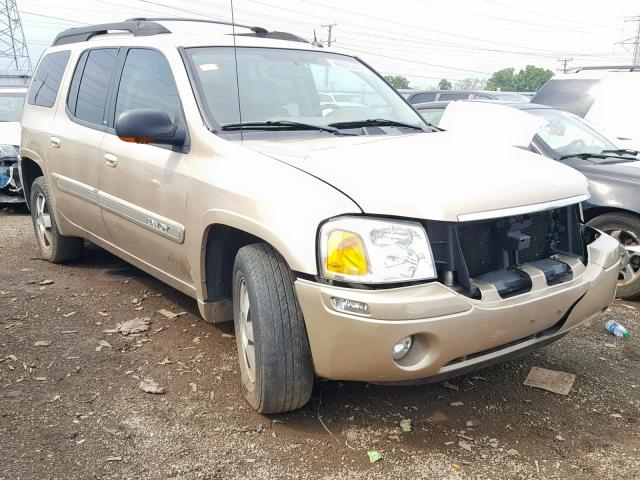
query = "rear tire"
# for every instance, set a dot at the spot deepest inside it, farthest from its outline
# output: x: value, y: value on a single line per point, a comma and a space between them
x: 54, y: 246
x: 625, y: 228
x: 275, y: 362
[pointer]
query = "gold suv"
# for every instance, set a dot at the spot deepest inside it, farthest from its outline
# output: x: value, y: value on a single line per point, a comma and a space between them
x: 289, y: 188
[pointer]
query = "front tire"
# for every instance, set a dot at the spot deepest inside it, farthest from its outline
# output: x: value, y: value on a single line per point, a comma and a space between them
x: 625, y: 228
x: 275, y: 362
x: 54, y: 246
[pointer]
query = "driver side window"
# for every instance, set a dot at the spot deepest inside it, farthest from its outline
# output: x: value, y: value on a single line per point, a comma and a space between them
x: 147, y: 82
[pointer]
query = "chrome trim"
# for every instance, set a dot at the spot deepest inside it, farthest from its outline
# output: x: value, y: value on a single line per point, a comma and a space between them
x: 508, y: 212
x: 77, y: 189
x: 149, y: 220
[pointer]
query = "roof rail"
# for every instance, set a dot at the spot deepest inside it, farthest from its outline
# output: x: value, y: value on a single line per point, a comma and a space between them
x: 631, y: 68
x: 256, y: 30
x: 137, y: 28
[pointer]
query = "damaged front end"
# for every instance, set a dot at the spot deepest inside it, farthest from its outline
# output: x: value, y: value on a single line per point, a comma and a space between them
x: 10, y: 185
x: 503, y: 252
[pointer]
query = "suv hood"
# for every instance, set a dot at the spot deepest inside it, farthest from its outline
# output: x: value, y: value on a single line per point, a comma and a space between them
x: 436, y: 176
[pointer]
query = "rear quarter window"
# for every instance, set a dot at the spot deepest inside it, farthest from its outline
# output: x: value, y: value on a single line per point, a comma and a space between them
x: 575, y: 96
x: 46, y: 81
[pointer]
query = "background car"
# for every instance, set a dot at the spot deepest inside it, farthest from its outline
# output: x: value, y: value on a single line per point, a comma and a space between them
x: 607, y: 96
x: 422, y: 96
x: 11, y: 104
x: 613, y: 173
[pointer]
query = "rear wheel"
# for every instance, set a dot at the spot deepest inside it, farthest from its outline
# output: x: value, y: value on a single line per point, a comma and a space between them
x: 54, y: 246
x: 275, y: 363
x: 625, y: 228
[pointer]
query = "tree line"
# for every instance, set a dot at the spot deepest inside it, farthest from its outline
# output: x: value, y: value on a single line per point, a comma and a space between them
x: 528, y: 79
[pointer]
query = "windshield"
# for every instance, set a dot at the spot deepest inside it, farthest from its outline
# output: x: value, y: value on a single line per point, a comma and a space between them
x: 310, y: 87
x: 567, y: 134
x: 11, y: 105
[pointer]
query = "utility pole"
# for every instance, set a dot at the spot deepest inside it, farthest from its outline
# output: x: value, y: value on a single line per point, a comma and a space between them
x: 14, y: 55
x: 329, y: 27
x: 634, y: 41
x: 564, y: 62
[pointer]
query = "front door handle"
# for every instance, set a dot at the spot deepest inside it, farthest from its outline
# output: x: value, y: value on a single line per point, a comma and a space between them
x: 55, y: 142
x: 110, y: 160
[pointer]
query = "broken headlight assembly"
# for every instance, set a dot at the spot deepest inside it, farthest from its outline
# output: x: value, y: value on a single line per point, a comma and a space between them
x: 375, y: 251
x: 9, y: 180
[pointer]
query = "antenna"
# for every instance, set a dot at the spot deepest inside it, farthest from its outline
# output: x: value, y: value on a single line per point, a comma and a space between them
x: 14, y: 55
x: 235, y: 56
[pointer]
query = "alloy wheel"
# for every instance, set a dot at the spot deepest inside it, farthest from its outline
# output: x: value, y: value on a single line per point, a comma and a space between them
x: 630, y: 272
x: 43, y: 222
x: 247, y: 345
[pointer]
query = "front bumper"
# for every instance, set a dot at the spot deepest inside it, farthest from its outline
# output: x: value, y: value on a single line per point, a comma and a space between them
x: 452, y: 333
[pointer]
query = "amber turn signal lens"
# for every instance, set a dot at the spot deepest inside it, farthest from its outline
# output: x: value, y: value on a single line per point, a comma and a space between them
x: 346, y: 254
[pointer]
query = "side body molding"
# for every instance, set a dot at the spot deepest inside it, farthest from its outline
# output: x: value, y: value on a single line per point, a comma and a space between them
x: 140, y: 216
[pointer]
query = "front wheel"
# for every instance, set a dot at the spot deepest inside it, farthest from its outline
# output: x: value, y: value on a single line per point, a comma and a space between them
x: 625, y: 228
x: 275, y: 362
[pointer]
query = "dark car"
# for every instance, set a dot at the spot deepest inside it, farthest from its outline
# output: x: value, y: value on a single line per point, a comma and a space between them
x: 613, y: 173
x: 422, y: 96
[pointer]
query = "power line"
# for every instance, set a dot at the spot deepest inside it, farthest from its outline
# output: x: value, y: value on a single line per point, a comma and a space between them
x: 546, y: 15
x: 503, y: 19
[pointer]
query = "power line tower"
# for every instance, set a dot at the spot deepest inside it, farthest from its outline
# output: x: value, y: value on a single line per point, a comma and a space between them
x: 329, y: 27
x: 634, y: 41
x: 14, y: 55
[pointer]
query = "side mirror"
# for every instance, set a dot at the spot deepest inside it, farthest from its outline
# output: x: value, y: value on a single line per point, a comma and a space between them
x: 147, y: 125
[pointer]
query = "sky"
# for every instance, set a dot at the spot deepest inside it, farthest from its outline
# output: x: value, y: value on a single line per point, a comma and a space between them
x: 424, y: 40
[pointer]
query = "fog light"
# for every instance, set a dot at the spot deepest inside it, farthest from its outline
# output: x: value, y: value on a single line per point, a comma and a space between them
x: 350, y: 306
x: 401, y: 349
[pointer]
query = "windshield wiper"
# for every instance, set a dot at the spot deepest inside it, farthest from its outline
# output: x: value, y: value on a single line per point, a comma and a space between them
x: 277, y: 124
x: 622, y: 151
x: 374, y: 122
x: 589, y: 156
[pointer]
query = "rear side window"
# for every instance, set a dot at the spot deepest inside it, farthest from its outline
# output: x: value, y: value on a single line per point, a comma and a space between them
x: 46, y: 81
x: 575, y: 96
x: 147, y: 82
x: 423, y: 97
x: 90, y: 85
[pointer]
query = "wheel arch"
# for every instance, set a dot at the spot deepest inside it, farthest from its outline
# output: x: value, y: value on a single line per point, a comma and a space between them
x: 595, y: 212
x: 220, y: 245
x: 29, y: 171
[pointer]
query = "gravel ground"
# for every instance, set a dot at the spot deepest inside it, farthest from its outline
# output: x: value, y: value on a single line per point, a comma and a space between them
x: 71, y: 404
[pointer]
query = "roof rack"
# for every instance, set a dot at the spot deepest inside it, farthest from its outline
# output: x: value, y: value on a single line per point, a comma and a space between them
x: 631, y: 68
x: 138, y: 28
x: 256, y: 30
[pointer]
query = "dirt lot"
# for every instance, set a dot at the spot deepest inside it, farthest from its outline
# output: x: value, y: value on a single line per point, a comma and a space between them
x: 71, y: 406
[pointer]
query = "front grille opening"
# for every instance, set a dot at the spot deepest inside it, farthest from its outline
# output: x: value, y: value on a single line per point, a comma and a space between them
x: 495, y: 250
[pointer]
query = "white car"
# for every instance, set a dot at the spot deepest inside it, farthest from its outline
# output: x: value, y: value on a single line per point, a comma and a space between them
x: 11, y: 104
x: 608, y: 97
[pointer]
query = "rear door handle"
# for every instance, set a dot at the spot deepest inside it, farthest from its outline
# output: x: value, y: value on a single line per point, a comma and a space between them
x: 55, y: 142
x: 110, y: 160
